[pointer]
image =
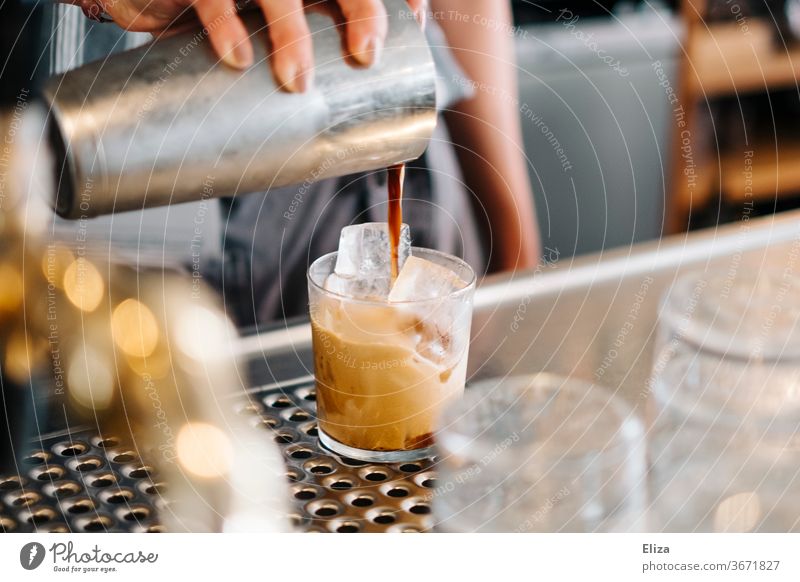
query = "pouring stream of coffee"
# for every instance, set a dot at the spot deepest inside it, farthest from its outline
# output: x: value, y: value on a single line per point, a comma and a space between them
x: 396, y: 174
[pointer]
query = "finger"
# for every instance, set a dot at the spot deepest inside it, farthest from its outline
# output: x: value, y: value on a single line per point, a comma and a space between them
x: 174, y: 29
x: 367, y: 25
x: 226, y: 31
x: 292, y: 57
x: 124, y: 15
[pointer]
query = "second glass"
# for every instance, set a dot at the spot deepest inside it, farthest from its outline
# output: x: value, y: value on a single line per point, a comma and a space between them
x: 384, y: 370
x: 540, y: 453
x: 724, y: 439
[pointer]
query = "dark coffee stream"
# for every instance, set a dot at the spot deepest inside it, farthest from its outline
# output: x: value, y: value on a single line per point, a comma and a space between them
x: 395, y: 182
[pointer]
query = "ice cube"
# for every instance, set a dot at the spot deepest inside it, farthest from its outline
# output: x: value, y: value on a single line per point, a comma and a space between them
x: 358, y: 287
x: 421, y: 279
x: 433, y: 342
x: 365, y: 252
x: 442, y: 335
x: 337, y: 284
x: 438, y: 324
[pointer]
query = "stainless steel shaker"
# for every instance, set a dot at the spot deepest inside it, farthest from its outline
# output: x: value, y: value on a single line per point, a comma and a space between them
x: 168, y: 123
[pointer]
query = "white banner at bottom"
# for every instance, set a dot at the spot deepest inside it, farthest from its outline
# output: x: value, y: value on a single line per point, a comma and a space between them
x: 389, y: 557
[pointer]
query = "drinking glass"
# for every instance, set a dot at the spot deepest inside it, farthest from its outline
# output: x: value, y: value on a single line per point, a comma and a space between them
x: 725, y: 433
x: 539, y: 453
x: 384, y: 370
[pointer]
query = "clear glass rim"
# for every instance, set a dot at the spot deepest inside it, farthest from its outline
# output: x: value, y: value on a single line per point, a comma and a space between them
x: 673, y: 311
x: 711, y: 408
x: 455, y: 295
x: 628, y: 435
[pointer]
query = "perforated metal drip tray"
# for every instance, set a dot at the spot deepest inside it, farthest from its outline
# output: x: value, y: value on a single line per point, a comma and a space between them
x: 83, y: 482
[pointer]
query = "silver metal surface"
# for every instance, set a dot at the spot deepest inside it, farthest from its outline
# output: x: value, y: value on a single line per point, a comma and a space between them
x: 83, y: 482
x: 168, y: 122
x: 333, y: 493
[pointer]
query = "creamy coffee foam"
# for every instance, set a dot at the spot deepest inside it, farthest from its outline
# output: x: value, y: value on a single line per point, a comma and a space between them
x: 375, y: 391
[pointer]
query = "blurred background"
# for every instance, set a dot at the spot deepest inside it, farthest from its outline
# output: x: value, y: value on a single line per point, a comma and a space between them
x: 671, y: 116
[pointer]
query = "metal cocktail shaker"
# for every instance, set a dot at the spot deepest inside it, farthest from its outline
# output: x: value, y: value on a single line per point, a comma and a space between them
x: 168, y: 123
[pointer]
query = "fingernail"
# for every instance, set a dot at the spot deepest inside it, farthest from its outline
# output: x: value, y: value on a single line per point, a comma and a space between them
x: 304, y: 79
x: 298, y: 78
x: 370, y: 52
x: 238, y: 55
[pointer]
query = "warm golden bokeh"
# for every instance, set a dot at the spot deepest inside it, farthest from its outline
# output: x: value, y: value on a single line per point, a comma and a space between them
x: 739, y: 513
x: 11, y: 289
x: 155, y: 366
x: 134, y: 328
x: 196, y: 321
x: 83, y: 284
x: 90, y: 379
x: 21, y: 359
x: 55, y: 262
x: 204, y: 450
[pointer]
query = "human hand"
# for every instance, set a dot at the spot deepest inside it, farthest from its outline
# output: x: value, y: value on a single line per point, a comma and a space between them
x: 292, y: 57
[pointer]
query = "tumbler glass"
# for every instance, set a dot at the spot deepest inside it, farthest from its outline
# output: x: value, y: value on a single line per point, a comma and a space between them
x: 384, y: 370
x: 540, y: 453
x: 725, y: 434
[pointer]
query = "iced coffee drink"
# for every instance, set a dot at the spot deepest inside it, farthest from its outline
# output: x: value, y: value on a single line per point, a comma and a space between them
x: 389, y: 351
